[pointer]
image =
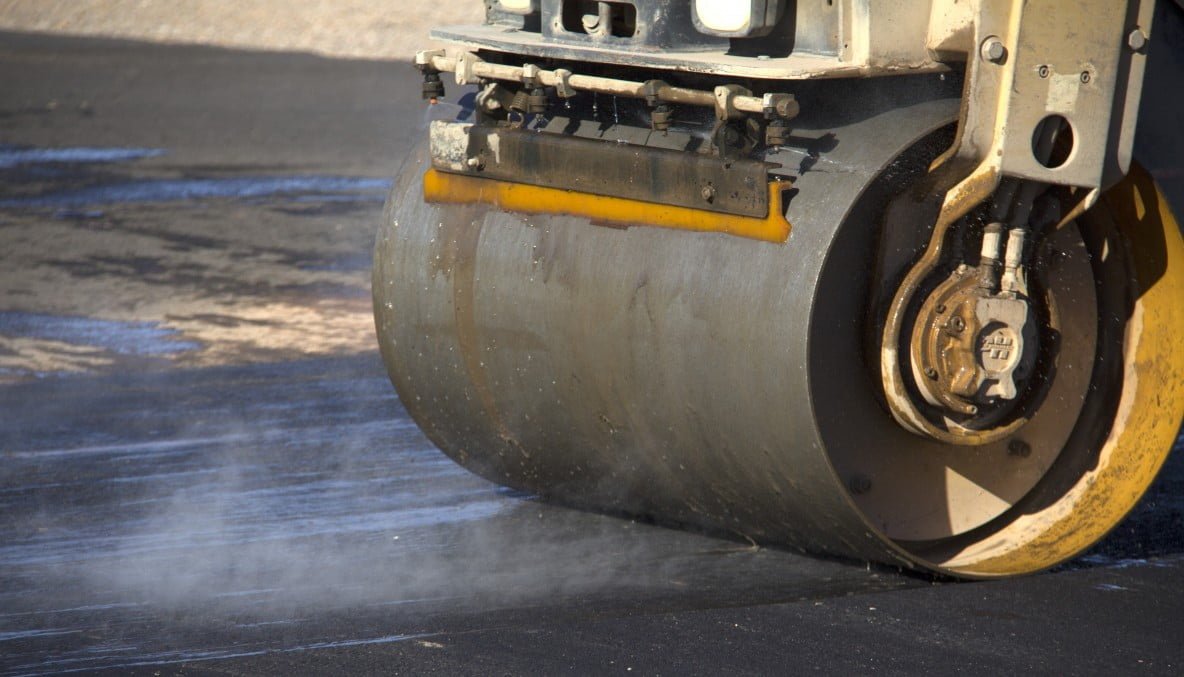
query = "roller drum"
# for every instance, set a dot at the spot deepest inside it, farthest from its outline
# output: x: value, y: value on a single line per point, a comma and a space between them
x: 700, y: 378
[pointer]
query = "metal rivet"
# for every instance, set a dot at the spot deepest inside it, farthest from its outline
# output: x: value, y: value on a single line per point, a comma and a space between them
x: 1137, y: 40
x: 958, y: 324
x: 931, y: 373
x: 993, y: 50
x: 1086, y: 77
x: 708, y: 193
x: 1043, y: 71
x: 859, y: 484
x: 941, y: 308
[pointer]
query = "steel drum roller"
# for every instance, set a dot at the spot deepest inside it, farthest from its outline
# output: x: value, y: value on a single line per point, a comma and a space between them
x: 723, y: 382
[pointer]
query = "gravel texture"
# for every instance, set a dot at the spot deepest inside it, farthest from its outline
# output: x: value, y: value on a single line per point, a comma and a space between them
x: 378, y: 29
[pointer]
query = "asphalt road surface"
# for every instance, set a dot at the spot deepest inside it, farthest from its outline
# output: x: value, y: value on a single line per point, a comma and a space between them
x: 204, y: 470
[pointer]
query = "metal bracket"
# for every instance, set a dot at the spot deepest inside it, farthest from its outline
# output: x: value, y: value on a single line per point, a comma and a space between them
x: 563, y: 86
x: 669, y: 177
x: 1024, y: 71
x: 466, y: 66
x: 1025, y: 68
x: 725, y: 101
x: 424, y: 57
x: 530, y: 76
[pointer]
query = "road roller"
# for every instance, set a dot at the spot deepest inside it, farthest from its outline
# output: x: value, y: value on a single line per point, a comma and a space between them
x: 871, y: 279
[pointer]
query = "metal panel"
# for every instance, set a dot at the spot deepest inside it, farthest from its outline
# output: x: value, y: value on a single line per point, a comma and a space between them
x: 601, y: 168
x: 1087, y: 75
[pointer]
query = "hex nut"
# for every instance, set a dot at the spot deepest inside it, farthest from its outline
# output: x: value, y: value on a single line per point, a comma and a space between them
x: 1137, y: 40
x: 993, y: 50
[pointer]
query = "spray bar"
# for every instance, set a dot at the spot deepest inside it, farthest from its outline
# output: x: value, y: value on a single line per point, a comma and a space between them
x: 729, y: 101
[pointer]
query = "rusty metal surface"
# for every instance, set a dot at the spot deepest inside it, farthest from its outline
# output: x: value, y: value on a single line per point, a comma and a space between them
x: 551, y: 160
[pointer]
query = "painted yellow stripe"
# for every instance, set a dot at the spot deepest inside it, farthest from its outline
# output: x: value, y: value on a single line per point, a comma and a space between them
x: 443, y: 187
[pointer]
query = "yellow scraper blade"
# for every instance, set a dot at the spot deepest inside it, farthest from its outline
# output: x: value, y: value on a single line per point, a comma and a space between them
x: 444, y: 187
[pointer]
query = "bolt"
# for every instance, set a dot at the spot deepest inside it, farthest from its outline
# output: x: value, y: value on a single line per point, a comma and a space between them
x: 1019, y: 448
x: 941, y: 308
x: 931, y: 373
x: 958, y: 325
x: 1055, y: 258
x: 708, y: 193
x: 474, y: 163
x: 1086, y: 77
x: 1042, y: 71
x: 1137, y: 40
x: 993, y: 50
x: 860, y: 484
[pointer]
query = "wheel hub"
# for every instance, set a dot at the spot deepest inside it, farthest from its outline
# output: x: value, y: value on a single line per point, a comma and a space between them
x: 973, y: 351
